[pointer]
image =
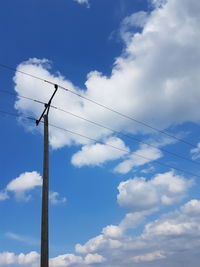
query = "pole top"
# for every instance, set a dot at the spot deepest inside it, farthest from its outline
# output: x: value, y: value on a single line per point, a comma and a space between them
x: 47, y: 106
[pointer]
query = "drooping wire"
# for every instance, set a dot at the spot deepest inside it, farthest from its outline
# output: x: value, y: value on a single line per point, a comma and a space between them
x: 21, y: 96
x: 124, y: 150
x: 103, y: 143
x: 101, y: 105
x: 104, y: 127
x: 22, y: 72
x: 16, y: 115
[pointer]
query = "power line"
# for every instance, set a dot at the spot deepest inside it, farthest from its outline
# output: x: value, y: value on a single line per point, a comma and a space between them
x: 105, y: 127
x: 106, y: 144
x: 123, y: 150
x: 101, y: 105
x: 17, y: 115
x: 126, y: 135
x: 22, y: 72
x: 21, y: 96
x: 128, y: 117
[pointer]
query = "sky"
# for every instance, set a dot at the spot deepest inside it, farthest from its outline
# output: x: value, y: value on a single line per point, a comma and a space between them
x: 123, y: 137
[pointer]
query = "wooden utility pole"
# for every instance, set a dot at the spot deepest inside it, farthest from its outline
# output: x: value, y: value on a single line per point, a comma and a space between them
x: 44, y: 257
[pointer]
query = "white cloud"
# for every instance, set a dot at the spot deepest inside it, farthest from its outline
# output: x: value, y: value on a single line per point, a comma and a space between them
x: 149, y: 256
x: 97, y: 154
x: 92, y: 245
x: 158, y: 3
x: 139, y: 194
x: 115, y: 247
x: 66, y: 260
x: 83, y: 2
x: 195, y: 152
x: 24, y: 183
x: 155, y: 80
x: 135, y: 20
x: 142, y: 156
x: 6, y: 258
x: 143, y: 198
x: 148, y: 170
x: 73, y: 260
x: 3, y: 195
x: 191, y: 208
x: 10, y: 259
x: 97, y: 244
x: 112, y: 231
x: 177, y: 223
x: 55, y: 199
x: 133, y: 219
x: 93, y: 259
x: 169, y: 240
x: 176, y: 234
x: 32, y: 260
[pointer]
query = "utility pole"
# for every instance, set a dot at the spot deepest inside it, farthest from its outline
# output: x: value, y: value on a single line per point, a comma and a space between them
x: 44, y: 255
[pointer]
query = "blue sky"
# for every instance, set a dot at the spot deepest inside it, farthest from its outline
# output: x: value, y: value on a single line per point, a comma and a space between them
x: 111, y: 201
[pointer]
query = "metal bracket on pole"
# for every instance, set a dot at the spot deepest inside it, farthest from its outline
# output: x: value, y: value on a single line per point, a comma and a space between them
x: 47, y: 106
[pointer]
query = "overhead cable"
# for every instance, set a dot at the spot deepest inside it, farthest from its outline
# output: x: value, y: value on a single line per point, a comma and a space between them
x: 103, y: 143
x: 101, y: 105
x: 105, y: 127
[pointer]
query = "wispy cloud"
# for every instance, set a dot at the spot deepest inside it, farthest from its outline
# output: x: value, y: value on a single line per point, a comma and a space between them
x: 86, y: 2
x: 21, y: 238
x: 55, y: 198
x: 3, y: 195
x: 195, y: 152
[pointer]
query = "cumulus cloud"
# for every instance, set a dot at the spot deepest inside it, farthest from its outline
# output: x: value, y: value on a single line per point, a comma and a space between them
x: 158, y: 71
x: 133, y: 219
x: 142, y: 156
x: 178, y: 223
x: 139, y: 194
x: 97, y: 154
x: 147, y: 152
x: 98, y: 243
x: 23, y: 184
x: 149, y: 257
x: 143, y: 198
x: 55, y: 199
x: 93, y: 259
x: 157, y: 81
x: 10, y: 259
x: 32, y: 260
x: 176, y: 234
x: 66, y: 260
x: 112, y: 231
x: 73, y: 260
